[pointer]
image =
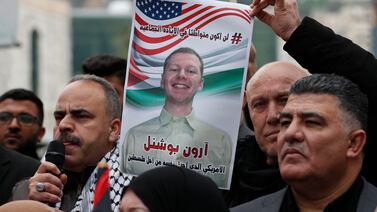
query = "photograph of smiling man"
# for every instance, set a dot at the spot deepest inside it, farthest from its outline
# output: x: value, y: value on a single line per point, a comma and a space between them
x: 163, y: 123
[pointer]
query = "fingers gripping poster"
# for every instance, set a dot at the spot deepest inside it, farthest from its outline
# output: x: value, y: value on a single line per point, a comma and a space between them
x: 184, y: 86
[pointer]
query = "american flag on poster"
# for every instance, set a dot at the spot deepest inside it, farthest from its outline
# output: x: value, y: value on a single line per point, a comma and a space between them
x: 159, y: 27
x: 220, y: 32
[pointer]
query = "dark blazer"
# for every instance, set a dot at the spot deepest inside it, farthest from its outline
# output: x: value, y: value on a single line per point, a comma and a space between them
x: 252, y: 176
x: 13, y: 168
x: 318, y: 49
x: 272, y: 202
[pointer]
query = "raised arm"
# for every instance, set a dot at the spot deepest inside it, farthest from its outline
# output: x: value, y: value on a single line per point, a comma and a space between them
x: 320, y: 50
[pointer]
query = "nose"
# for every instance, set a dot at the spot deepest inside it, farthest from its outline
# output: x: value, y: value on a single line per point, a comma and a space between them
x: 293, y: 133
x: 182, y: 73
x: 273, y: 114
x: 65, y: 124
x: 14, y: 124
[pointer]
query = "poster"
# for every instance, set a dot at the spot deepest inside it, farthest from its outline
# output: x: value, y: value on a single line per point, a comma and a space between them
x: 184, y: 86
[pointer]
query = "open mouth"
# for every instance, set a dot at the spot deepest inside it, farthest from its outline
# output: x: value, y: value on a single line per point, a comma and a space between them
x: 180, y: 86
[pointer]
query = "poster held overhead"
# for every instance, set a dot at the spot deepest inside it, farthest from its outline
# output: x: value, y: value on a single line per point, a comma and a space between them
x: 184, y: 86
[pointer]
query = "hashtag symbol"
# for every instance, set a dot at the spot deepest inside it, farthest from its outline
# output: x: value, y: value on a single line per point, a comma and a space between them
x: 236, y: 38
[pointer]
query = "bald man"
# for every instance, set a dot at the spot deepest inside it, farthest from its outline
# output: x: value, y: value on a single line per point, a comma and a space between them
x: 255, y: 169
x: 267, y: 93
x: 320, y: 50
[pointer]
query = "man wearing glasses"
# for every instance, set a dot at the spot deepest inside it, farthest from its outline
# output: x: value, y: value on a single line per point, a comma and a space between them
x: 21, y: 118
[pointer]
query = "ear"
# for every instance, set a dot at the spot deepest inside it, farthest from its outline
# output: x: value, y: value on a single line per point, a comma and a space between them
x: 114, y: 130
x: 357, y: 139
x: 41, y: 133
x: 201, y: 84
x: 244, y: 102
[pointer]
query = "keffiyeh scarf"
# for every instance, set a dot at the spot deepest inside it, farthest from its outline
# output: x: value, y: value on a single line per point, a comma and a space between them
x: 118, y: 181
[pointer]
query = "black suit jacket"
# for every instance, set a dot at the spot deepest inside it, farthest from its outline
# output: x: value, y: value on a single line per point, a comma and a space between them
x: 318, y: 49
x: 13, y: 168
x: 272, y: 202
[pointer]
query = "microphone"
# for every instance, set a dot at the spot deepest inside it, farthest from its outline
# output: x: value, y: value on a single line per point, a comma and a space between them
x: 56, y: 153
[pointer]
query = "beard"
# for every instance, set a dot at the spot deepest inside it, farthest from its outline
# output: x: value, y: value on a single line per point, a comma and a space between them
x: 29, y: 147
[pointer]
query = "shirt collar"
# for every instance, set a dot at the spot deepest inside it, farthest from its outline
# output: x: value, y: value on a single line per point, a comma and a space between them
x: 346, y: 202
x: 166, y: 118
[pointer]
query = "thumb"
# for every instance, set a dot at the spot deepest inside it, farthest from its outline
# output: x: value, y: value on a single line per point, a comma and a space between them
x: 63, y: 178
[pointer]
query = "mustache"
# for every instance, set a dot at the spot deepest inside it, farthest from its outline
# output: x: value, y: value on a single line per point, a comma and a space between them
x: 14, y: 131
x: 287, y: 147
x: 69, y: 138
x: 11, y: 133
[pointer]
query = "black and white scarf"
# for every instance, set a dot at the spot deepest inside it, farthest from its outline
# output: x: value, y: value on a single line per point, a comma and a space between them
x: 118, y: 181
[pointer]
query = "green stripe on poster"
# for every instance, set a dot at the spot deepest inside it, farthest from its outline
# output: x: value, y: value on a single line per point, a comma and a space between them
x: 220, y: 83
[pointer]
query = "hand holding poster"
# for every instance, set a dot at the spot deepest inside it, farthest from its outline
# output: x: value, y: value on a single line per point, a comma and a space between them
x: 181, y: 51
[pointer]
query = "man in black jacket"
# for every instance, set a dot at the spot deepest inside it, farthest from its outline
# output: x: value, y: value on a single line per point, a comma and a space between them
x: 320, y: 50
x: 14, y: 167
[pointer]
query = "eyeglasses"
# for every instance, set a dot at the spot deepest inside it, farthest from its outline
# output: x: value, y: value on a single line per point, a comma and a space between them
x: 24, y: 119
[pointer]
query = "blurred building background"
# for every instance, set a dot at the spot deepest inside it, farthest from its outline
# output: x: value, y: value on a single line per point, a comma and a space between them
x: 42, y: 42
x: 35, y: 51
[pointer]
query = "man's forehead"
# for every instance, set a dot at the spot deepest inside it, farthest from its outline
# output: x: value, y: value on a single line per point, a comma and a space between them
x: 16, y: 102
x: 265, y: 80
x: 269, y: 87
x: 71, y: 107
x: 81, y: 88
x: 76, y: 104
x: 311, y: 103
x: 184, y: 56
x: 277, y: 72
x: 81, y: 94
x: 268, y: 94
x: 12, y: 104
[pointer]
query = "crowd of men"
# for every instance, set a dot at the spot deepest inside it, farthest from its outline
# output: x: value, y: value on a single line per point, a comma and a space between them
x: 311, y: 149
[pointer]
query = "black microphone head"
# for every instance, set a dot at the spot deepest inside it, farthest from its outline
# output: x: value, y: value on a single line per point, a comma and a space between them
x: 56, y: 153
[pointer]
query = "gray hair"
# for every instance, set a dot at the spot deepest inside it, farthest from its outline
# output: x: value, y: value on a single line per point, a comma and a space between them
x: 351, y: 99
x: 112, y: 100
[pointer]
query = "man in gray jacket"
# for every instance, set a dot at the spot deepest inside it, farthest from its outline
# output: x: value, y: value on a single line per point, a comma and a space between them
x: 320, y: 149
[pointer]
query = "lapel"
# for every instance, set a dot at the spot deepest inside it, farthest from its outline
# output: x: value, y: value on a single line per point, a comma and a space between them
x: 5, y: 163
x: 368, y: 198
x: 273, y: 201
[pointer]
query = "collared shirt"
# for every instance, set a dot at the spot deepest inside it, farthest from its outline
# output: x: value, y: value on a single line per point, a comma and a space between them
x: 347, y: 202
x: 184, y: 141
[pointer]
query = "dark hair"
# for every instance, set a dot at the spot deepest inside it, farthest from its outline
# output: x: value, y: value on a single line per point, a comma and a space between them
x: 105, y: 65
x: 112, y: 100
x: 172, y: 188
x: 21, y: 94
x: 184, y: 50
x: 351, y: 99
